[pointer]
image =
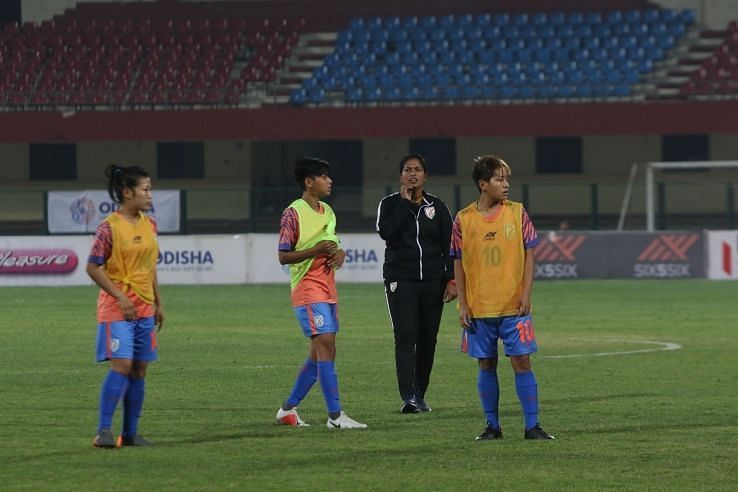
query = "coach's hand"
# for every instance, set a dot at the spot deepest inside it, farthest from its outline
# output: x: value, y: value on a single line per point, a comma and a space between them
x: 450, y: 293
x: 406, y: 192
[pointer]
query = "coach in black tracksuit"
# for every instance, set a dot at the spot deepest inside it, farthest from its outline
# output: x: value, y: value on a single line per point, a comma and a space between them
x: 418, y: 276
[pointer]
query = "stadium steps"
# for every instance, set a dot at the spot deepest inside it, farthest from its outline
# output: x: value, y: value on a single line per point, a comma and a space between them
x: 675, y: 71
x: 311, y: 50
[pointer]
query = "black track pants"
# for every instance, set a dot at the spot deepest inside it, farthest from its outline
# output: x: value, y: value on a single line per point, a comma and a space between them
x: 415, y: 309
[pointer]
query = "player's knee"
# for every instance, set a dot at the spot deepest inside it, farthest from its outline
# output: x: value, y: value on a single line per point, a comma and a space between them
x: 520, y: 363
x: 122, y: 366
x: 138, y: 371
x: 488, y: 364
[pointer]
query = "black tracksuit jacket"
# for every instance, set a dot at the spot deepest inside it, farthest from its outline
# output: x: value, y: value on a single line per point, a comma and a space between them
x: 418, y: 238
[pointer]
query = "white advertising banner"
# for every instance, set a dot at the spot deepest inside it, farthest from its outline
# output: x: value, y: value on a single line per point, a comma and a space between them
x: 211, y: 259
x: 44, y: 260
x: 364, y: 259
x: 82, y: 211
x: 198, y: 259
x: 722, y: 255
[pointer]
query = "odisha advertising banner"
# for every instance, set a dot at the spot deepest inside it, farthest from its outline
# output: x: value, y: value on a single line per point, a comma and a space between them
x: 364, y: 259
x: 82, y: 211
x: 620, y: 255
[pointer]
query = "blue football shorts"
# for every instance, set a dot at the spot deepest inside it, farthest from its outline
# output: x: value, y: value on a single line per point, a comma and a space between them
x: 516, y: 332
x: 318, y: 318
x: 134, y: 340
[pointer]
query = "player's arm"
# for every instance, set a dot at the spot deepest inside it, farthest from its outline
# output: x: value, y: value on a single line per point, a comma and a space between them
x: 289, y: 228
x: 323, y: 248
x: 449, y: 292
x: 528, y: 267
x: 465, y: 314
x: 102, y: 248
x: 100, y: 277
x: 159, y: 313
x: 530, y: 240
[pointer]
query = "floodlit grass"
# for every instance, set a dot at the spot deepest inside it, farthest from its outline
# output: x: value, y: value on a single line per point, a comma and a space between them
x: 650, y: 420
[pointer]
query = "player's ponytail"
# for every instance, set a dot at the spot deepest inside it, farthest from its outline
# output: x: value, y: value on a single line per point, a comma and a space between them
x: 120, y: 178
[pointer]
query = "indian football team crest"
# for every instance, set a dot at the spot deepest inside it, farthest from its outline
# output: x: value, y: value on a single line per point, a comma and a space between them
x: 430, y: 212
x: 114, y: 345
x: 393, y: 286
x: 318, y: 320
x: 509, y: 231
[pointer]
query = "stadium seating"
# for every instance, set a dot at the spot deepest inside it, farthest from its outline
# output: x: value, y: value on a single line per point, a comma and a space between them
x: 457, y: 58
x: 121, y: 60
x: 718, y: 74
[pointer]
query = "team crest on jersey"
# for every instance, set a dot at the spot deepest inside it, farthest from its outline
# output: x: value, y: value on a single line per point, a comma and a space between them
x: 319, y: 321
x: 430, y: 212
x: 509, y: 231
x: 114, y: 345
x: 393, y: 286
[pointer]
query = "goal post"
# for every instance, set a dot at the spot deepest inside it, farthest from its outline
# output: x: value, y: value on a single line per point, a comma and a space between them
x: 651, y: 167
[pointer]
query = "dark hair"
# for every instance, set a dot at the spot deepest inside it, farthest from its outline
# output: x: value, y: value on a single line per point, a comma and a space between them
x: 310, y: 167
x: 120, y: 178
x: 420, y: 159
x: 486, y: 166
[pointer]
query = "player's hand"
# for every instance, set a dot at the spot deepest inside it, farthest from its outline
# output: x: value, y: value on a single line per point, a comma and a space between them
x: 325, y: 248
x: 449, y: 294
x: 406, y: 192
x: 127, y: 307
x: 159, y: 318
x: 524, y: 306
x: 336, y: 261
x: 465, y: 316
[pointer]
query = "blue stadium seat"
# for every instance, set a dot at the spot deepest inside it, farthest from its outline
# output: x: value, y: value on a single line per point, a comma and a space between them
x: 410, y: 22
x: 483, y: 20
x: 632, y: 16
x: 614, y: 17
x: 593, y: 18
x: 557, y: 18
x: 650, y: 16
x: 576, y: 18
x: 508, y: 92
x: 539, y: 19
x: 687, y: 16
x: 501, y: 20
x: 428, y: 21
x: 521, y: 20
x: 465, y: 21
x: 446, y: 21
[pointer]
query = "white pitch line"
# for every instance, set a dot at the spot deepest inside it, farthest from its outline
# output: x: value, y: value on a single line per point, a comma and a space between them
x: 663, y: 346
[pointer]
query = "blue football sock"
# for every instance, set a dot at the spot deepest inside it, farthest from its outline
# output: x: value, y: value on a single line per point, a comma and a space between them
x: 305, y: 380
x: 111, y: 392
x: 329, y: 386
x: 527, y: 388
x: 489, y: 394
x: 132, y: 405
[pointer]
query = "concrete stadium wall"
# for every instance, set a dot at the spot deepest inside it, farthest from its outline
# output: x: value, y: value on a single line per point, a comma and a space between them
x: 224, y: 192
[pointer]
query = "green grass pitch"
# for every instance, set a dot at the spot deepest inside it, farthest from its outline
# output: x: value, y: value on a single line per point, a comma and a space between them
x: 653, y: 419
